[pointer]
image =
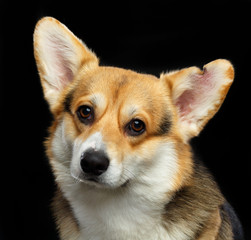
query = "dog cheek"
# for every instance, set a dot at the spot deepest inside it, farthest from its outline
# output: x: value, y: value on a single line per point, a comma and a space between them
x: 136, y: 163
x: 156, y: 166
x: 62, y: 145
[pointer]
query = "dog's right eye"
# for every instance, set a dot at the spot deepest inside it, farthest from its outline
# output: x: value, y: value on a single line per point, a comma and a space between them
x: 85, y: 114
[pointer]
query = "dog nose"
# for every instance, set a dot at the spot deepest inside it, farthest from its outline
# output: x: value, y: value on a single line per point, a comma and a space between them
x: 94, y: 162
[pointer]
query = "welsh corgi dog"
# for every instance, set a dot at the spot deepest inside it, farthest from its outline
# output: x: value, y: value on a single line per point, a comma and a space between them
x: 119, y: 145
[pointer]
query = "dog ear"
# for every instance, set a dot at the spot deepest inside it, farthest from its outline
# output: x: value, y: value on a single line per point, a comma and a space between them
x: 59, y: 56
x: 199, y: 94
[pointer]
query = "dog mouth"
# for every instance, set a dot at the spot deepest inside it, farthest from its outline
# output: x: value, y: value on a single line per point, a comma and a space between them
x: 125, y: 184
x: 99, y: 182
x: 87, y: 179
x: 92, y: 179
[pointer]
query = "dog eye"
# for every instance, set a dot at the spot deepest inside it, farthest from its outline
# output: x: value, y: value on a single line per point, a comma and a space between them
x: 85, y: 114
x: 135, y: 127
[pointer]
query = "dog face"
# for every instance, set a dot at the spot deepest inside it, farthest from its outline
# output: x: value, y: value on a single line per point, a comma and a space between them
x: 115, y: 127
x: 116, y: 121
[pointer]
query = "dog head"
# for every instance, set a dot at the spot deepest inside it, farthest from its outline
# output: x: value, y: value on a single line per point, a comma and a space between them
x: 114, y: 126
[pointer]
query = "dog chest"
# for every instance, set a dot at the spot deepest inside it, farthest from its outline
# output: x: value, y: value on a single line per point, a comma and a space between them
x: 116, y: 216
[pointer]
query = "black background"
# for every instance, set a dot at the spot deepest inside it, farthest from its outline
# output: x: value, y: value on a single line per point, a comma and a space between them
x: 149, y: 37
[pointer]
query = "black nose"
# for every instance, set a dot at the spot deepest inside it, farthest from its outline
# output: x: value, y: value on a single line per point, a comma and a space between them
x: 94, y: 162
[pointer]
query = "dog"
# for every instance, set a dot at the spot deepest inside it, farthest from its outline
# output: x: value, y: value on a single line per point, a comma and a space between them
x: 119, y: 145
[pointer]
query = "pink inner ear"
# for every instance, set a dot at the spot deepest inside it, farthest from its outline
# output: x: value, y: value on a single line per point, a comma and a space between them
x: 63, y: 67
x: 185, y: 102
x: 202, y: 86
x: 59, y: 53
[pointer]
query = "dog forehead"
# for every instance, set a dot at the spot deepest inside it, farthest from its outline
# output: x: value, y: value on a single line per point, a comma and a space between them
x: 117, y: 82
x: 123, y: 93
x: 117, y: 87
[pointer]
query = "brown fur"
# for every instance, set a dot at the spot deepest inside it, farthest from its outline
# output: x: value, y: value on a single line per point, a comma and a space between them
x: 196, y: 204
x: 66, y: 223
x: 211, y: 229
x: 196, y: 200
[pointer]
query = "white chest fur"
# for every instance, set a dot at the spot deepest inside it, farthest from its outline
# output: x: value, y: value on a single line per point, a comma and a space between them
x: 107, y: 215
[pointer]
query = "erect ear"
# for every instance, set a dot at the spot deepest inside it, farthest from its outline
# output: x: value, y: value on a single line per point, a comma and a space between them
x: 59, y: 56
x: 198, y: 94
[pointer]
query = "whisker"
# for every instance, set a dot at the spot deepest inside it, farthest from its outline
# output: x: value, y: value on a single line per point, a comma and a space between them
x: 128, y: 173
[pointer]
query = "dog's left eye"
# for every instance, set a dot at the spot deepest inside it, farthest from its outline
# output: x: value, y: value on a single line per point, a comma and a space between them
x: 135, y: 128
x: 85, y: 114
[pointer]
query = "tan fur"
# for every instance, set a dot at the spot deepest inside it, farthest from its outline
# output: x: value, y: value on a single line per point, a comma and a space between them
x: 210, y: 232
x: 191, y: 206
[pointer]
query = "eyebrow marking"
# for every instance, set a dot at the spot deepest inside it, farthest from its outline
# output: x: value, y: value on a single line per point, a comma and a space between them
x: 98, y: 100
x: 132, y: 110
x: 94, y: 100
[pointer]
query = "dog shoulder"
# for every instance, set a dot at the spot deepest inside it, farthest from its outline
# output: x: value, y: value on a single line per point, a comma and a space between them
x: 194, y: 205
x: 200, y: 209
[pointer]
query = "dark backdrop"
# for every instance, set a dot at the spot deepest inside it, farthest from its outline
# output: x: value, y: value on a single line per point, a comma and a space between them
x: 150, y: 37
